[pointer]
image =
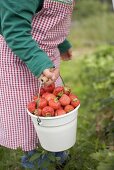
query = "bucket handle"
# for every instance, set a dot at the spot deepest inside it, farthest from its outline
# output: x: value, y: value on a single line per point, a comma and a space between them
x: 41, y: 82
x: 38, y: 121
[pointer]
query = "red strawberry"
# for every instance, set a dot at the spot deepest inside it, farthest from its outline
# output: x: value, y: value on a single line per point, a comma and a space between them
x: 64, y: 100
x: 45, y: 94
x: 58, y: 91
x: 68, y: 108
x: 42, y: 103
x: 47, y: 111
x: 67, y: 90
x: 31, y: 106
x: 54, y: 103
x: 49, y: 88
x: 72, y: 96
x: 75, y: 102
x: 48, y: 96
x: 35, y: 98
x: 61, y: 107
x: 42, y: 91
x: 60, y: 112
x: 38, y: 112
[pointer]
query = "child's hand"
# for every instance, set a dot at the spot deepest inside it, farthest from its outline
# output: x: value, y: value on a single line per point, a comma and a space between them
x: 67, y: 56
x: 50, y: 75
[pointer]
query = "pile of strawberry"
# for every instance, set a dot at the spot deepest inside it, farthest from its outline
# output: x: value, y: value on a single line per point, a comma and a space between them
x: 53, y: 101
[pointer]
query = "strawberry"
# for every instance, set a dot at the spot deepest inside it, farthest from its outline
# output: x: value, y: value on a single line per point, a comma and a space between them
x: 42, y: 91
x: 45, y: 94
x: 31, y: 106
x: 42, y: 103
x: 58, y: 91
x: 64, y: 100
x: 68, y: 108
x: 75, y: 102
x: 60, y: 112
x: 48, y: 96
x: 49, y: 88
x: 54, y: 103
x: 60, y: 107
x: 35, y: 98
x: 67, y: 90
x: 72, y: 96
x: 47, y: 111
x: 38, y: 112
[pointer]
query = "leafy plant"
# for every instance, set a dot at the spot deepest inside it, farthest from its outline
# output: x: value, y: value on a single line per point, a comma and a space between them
x: 105, y: 159
x: 97, y: 75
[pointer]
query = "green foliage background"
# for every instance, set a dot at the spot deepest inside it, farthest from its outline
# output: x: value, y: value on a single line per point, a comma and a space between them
x: 90, y: 74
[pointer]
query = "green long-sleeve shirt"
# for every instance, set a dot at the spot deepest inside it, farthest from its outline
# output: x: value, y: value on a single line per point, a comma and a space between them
x: 15, y: 27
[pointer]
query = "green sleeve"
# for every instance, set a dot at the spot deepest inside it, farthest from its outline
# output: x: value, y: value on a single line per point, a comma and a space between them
x: 16, y: 17
x: 63, y: 47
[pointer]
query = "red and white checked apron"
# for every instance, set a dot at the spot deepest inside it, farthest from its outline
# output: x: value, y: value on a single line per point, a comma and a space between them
x: 50, y: 27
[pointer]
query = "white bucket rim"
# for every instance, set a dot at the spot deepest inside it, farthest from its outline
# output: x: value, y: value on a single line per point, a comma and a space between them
x: 53, y: 117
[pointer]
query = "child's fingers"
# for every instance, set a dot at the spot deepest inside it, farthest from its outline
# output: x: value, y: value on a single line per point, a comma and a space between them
x: 63, y: 57
x: 69, y: 53
x: 48, y: 73
x: 52, y: 74
x: 66, y: 57
x: 43, y: 78
x: 56, y: 74
x: 47, y: 83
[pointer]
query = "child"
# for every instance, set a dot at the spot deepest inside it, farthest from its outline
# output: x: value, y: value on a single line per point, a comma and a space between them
x: 32, y: 37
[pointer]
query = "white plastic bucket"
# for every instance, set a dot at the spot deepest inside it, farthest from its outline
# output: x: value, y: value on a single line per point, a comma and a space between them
x: 56, y: 133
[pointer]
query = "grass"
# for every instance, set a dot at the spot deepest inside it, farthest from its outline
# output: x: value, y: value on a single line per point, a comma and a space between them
x: 93, y: 31
x: 10, y: 159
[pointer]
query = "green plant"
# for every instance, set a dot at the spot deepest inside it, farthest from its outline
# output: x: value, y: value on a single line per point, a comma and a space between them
x: 85, y: 9
x: 105, y: 159
x: 98, y: 71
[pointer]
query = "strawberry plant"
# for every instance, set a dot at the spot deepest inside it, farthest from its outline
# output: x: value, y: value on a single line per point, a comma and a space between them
x: 97, y: 75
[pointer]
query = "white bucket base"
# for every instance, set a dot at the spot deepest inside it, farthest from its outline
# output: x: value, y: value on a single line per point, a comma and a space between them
x: 56, y: 133
x: 56, y: 137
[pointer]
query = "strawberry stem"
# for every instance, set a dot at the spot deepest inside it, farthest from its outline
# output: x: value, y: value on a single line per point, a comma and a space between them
x: 60, y: 94
x: 56, y: 99
x: 74, y: 100
x: 48, y: 115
